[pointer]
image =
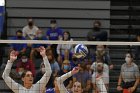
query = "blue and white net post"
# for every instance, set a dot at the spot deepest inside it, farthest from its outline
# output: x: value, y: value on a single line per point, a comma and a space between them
x: 2, y: 14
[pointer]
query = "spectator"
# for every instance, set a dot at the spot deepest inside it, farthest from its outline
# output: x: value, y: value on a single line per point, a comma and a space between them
x: 101, y: 51
x: 40, y: 73
x: 25, y: 64
x: 20, y: 48
x: 129, y: 75
x: 35, y: 47
x: 39, y: 36
x: 99, y: 59
x: 82, y: 76
x: 103, y: 76
x: 66, y: 67
x: 65, y: 57
x: 61, y: 48
x: 54, y: 33
x: 88, y: 66
x: 29, y: 31
x: 54, y: 66
x: 96, y: 34
x: 88, y: 87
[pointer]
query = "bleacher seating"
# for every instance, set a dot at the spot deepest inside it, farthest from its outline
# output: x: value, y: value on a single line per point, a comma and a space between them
x: 77, y: 17
x: 74, y: 16
x: 121, y: 21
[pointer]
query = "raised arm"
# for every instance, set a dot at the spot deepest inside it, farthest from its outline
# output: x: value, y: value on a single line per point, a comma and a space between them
x: 60, y: 80
x: 101, y: 85
x: 8, y: 80
x: 24, y: 32
x: 44, y: 80
x: 58, y: 49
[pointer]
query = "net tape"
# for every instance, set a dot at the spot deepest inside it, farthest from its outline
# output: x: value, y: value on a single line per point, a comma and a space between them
x: 69, y: 42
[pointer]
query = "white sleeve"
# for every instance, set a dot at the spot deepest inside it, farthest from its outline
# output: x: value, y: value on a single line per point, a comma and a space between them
x: 92, y: 66
x: 71, y: 47
x: 8, y: 80
x: 58, y: 48
x: 44, y: 80
x: 60, y: 82
x: 36, y: 28
x: 106, y: 78
x: 101, y: 86
x: 94, y: 78
x: 106, y: 69
x: 24, y: 32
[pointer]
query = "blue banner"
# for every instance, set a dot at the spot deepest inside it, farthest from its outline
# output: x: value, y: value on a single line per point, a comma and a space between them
x: 2, y: 17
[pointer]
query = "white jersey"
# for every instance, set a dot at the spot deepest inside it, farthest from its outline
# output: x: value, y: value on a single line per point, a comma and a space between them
x: 101, y: 81
x: 62, y: 47
x: 30, y: 33
x: 105, y: 67
x: 60, y: 82
x: 101, y: 86
x: 36, y: 88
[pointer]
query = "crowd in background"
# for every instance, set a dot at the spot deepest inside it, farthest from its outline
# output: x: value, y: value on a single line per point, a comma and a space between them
x: 62, y: 59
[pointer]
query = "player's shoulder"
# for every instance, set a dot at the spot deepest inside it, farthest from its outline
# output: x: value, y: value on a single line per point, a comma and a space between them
x: 105, y: 74
x: 25, y: 27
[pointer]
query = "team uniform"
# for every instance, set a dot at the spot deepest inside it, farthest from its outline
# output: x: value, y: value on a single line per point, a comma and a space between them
x: 36, y: 88
x: 60, y: 82
x: 101, y: 85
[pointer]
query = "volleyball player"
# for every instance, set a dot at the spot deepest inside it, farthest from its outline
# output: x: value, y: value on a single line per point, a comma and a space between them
x: 27, y: 76
x: 77, y: 86
x: 80, y: 53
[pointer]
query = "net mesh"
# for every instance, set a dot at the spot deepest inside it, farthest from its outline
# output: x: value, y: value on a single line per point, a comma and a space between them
x: 100, y: 70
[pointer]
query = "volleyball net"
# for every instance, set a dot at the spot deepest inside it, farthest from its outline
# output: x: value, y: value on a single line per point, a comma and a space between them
x: 101, y: 67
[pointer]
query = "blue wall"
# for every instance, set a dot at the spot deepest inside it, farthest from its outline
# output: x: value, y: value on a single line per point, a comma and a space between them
x: 2, y: 12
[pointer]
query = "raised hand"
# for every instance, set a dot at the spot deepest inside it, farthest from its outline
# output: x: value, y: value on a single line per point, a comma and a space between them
x: 111, y: 66
x: 119, y: 88
x: 13, y: 56
x: 78, y: 55
x: 42, y: 51
x: 75, y: 70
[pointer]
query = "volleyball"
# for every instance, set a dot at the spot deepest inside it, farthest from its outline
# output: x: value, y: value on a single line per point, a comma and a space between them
x: 81, y: 49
